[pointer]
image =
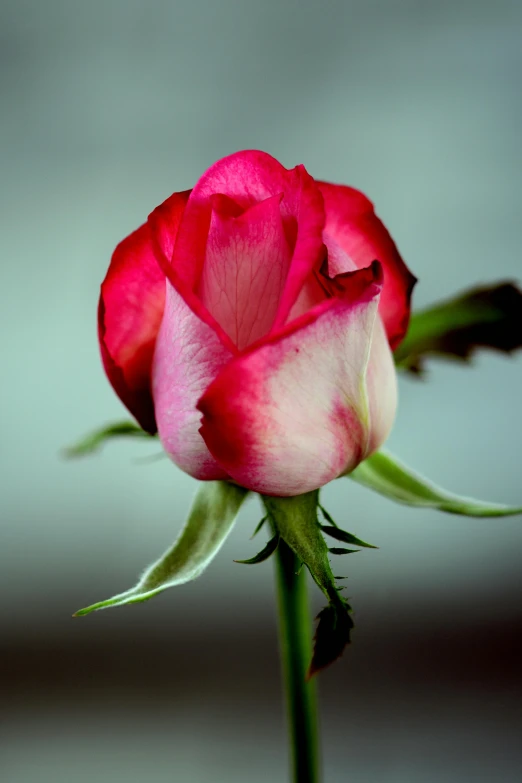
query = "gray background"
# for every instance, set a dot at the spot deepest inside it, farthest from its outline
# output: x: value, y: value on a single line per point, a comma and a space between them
x: 108, y: 107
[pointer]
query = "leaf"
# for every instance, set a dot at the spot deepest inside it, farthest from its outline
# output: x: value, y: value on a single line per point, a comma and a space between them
x: 264, y: 554
x: 295, y: 519
x: 385, y: 474
x: 93, y: 442
x: 210, y: 520
x: 487, y: 317
x: 337, y: 550
x: 347, y: 538
x: 332, y: 634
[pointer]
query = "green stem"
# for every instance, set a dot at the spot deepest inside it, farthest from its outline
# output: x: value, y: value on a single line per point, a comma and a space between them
x: 296, y: 652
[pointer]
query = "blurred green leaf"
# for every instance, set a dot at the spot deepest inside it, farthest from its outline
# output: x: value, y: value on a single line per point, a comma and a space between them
x: 386, y: 475
x: 486, y: 317
x: 210, y: 520
x: 95, y: 440
x: 264, y: 554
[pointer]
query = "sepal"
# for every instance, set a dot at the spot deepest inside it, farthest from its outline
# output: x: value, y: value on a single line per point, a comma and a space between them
x: 384, y: 474
x: 264, y: 554
x: 345, y: 537
x: 210, y: 520
x: 295, y: 520
x: 95, y: 440
x: 339, y: 550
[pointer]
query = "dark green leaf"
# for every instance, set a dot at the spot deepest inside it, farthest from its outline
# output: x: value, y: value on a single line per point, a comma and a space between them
x: 338, y: 550
x: 210, y: 520
x: 332, y: 634
x: 91, y: 443
x: 347, y: 538
x: 265, y: 553
x: 487, y: 317
x: 386, y: 475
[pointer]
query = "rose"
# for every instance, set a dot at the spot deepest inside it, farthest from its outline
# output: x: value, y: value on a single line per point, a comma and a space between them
x: 251, y: 320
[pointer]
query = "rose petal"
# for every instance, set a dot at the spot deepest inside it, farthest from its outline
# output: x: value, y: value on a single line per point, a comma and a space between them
x: 246, y: 264
x: 249, y: 177
x: 129, y: 315
x: 353, y: 224
x: 293, y: 412
x: 164, y: 223
x: 189, y: 354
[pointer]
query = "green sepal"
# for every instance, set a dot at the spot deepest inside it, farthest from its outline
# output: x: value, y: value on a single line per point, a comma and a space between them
x: 344, y: 536
x: 487, y: 317
x: 210, y: 520
x: 327, y: 516
x: 95, y: 440
x: 295, y: 519
x: 264, y: 554
x: 384, y: 474
x: 258, y: 527
x: 339, y: 550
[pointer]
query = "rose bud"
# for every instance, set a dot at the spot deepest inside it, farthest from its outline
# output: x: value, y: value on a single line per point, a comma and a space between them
x: 251, y: 321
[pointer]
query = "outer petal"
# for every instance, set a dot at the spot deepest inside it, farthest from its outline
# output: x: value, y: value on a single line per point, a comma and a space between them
x: 293, y: 413
x: 353, y: 224
x: 381, y: 384
x: 129, y: 315
x: 189, y: 355
x: 249, y: 177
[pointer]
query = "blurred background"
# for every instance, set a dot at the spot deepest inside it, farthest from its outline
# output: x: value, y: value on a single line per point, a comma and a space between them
x: 108, y: 107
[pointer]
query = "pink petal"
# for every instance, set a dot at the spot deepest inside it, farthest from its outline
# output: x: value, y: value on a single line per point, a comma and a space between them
x: 164, y: 224
x: 129, y: 315
x: 381, y: 384
x: 353, y: 224
x: 246, y: 264
x: 189, y: 355
x: 293, y: 413
x: 250, y: 177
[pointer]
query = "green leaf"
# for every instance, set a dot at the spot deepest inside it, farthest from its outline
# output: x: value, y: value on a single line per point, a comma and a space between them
x: 345, y: 537
x: 295, y: 519
x: 487, y: 317
x: 264, y: 554
x: 210, y: 520
x: 338, y: 550
x: 95, y: 440
x: 386, y: 475
x: 332, y: 634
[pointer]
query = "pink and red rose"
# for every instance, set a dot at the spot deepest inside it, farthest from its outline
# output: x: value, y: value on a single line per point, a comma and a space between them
x: 250, y: 321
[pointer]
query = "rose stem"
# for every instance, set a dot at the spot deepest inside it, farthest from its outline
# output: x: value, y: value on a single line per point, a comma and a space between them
x: 295, y: 635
